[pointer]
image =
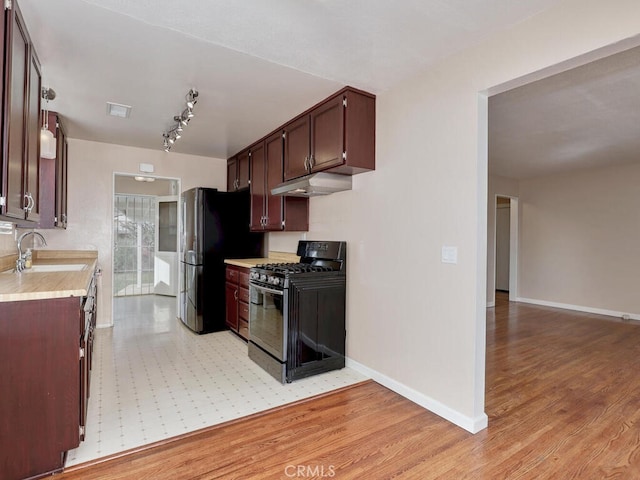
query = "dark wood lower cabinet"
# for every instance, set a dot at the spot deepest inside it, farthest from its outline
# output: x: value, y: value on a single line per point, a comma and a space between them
x: 44, y: 382
x: 237, y: 300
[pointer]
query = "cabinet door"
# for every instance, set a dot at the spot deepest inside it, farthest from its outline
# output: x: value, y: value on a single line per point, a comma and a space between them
x: 327, y: 134
x: 84, y: 383
x: 231, y: 302
x: 61, y: 176
x: 258, y: 187
x: 232, y: 174
x: 296, y: 148
x: 274, y: 213
x: 17, y: 66
x: 33, y: 139
x: 243, y: 170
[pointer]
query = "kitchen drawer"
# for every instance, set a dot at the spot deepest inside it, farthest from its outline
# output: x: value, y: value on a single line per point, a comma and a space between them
x: 243, y: 294
x: 243, y: 311
x: 231, y: 274
x: 244, y: 278
x: 243, y: 329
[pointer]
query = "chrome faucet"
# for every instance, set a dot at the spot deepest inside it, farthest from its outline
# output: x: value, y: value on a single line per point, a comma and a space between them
x: 21, y: 261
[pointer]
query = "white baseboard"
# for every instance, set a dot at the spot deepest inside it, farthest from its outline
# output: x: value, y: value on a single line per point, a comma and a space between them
x: 473, y: 425
x: 579, y: 308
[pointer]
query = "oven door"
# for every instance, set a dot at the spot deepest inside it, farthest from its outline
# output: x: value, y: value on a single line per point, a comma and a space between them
x: 267, y: 322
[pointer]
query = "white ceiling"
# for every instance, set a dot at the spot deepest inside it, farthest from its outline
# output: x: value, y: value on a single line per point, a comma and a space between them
x: 585, y: 117
x: 256, y: 63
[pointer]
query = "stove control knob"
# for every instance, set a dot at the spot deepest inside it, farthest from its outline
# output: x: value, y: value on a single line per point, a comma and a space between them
x: 263, y: 278
x: 276, y: 281
x: 254, y: 275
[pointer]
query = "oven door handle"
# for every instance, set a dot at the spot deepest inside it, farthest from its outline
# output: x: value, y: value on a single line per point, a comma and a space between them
x: 265, y: 289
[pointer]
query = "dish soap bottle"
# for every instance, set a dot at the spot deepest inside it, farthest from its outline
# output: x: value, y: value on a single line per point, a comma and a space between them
x: 27, y: 259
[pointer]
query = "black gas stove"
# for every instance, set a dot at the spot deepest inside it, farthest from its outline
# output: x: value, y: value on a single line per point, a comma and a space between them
x: 315, y: 257
x: 297, y: 312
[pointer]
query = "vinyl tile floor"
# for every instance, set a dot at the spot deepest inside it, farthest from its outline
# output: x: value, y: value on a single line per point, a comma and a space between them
x: 153, y: 379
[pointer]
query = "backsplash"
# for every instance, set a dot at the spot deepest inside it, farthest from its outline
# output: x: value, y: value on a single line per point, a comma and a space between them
x: 8, y: 243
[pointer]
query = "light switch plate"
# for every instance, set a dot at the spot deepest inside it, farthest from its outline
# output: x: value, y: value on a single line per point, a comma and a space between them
x: 449, y: 254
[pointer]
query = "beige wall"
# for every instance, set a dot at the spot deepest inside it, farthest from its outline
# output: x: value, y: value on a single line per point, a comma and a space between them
x: 414, y: 323
x: 579, y: 239
x: 8, y: 244
x: 90, y: 199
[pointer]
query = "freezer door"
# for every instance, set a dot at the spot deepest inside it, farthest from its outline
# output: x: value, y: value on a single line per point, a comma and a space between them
x: 191, y: 308
x: 192, y: 226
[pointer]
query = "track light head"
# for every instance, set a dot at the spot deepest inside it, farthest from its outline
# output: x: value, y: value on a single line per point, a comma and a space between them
x: 191, y: 98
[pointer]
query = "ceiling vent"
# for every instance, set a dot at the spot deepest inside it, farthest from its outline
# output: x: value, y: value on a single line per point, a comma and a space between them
x: 118, y: 110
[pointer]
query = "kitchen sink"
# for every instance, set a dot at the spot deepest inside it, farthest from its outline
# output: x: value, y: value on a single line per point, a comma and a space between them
x: 59, y: 267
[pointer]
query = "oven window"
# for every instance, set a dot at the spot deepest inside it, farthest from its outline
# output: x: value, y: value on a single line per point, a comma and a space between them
x: 266, y: 323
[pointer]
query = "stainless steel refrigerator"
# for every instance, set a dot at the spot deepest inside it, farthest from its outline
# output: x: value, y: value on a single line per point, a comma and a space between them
x: 215, y: 226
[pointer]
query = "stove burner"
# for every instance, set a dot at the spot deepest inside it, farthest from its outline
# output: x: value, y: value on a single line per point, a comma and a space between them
x: 285, y: 268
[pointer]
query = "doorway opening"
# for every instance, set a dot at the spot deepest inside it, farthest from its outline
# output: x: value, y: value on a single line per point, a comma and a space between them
x: 145, y: 236
x: 134, y: 244
x: 506, y: 247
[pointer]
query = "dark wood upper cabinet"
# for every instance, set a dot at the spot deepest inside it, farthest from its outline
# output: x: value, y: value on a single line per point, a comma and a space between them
x: 327, y: 134
x: 61, y: 175
x: 258, y: 187
x: 32, y: 181
x: 231, y: 173
x: 272, y: 147
x: 238, y: 168
x: 270, y: 212
x: 22, y: 83
x: 243, y: 168
x: 337, y: 135
x: 53, y: 179
x: 296, y: 149
x: 15, y: 113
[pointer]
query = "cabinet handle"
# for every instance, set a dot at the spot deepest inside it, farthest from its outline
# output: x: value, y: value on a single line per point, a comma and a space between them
x: 30, y: 202
x: 235, y: 294
x: 306, y: 163
x: 312, y: 162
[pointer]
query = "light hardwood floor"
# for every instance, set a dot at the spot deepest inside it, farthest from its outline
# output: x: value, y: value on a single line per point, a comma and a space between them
x: 562, y: 395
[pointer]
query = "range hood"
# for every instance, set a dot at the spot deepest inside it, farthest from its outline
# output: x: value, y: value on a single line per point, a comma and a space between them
x: 313, y: 185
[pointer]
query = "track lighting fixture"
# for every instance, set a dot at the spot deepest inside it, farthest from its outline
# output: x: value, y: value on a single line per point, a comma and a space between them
x: 170, y: 136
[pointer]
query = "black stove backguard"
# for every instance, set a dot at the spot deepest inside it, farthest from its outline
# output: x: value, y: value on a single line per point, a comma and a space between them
x: 333, y: 254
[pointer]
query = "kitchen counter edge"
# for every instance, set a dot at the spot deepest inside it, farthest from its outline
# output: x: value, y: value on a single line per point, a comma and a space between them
x: 44, y: 285
x: 274, y: 257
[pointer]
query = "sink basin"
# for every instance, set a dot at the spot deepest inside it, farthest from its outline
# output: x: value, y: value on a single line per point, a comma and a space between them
x: 62, y: 267
x: 58, y: 267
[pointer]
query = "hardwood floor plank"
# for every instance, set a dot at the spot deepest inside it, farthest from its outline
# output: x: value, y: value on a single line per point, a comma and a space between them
x: 562, y: 396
